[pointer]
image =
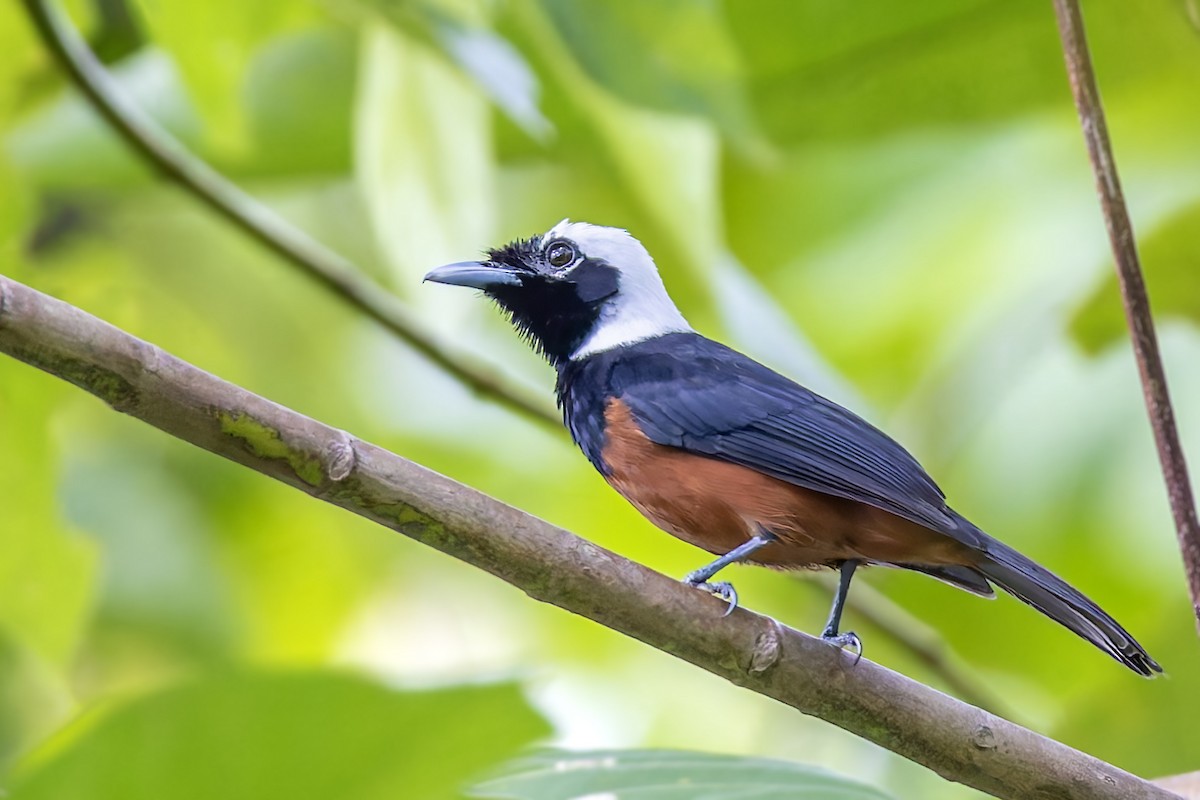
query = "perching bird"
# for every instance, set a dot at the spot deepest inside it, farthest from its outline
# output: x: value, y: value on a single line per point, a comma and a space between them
x: 733, y: 457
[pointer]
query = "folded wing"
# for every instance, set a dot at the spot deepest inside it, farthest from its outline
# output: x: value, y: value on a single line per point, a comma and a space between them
x: 705, y: 398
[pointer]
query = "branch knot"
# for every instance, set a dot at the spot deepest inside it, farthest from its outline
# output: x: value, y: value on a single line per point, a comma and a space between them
x: 767, y: 650
x: 340, y: 458
x: 983, y: 737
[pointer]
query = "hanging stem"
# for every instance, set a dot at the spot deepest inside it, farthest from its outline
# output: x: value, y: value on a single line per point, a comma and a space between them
x: 1133, y: 290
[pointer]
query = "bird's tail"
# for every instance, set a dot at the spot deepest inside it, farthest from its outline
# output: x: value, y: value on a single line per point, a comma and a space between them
x: 1063, y: 603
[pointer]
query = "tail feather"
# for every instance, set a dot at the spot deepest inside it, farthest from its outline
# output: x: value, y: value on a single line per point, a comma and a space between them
x: 967, y: 578
x: 1037, y: 586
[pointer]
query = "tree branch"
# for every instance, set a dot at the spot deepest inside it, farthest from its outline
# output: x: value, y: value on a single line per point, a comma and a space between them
x: 960, y: 742
x: 1133, y: 290
x: 262, y: 225
x: 349, y: 282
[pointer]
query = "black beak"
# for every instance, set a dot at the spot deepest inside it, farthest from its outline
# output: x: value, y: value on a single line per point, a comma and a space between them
x: 476, y: 274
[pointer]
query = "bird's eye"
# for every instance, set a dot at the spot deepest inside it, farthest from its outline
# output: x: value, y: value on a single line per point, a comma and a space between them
x: 560, y: 254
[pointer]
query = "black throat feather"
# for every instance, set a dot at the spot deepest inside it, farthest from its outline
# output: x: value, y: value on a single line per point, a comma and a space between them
x: 554, y: 311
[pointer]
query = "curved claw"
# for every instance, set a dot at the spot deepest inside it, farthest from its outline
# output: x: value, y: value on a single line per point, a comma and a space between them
x: 725, y: 591
x: 722, y: 589
x: 848, y: 639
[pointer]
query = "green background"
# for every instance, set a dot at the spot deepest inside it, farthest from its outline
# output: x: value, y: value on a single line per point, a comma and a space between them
x: 890, y: 202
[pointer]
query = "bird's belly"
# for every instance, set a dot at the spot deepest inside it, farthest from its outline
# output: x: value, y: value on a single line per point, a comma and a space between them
x: 717, y: 505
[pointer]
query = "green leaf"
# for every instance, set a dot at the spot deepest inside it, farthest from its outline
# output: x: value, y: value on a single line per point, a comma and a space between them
x: 666, y: 775
x: 33, y: 700
x: 161, y: 563
x: 16, y: 205
x: 674, y: 56
x: 21, y: 56
x: 66, y: 144
x: 819, y: 71
x: 423, y: 155
x: 213, y: 43
x: 46, y: 572
x: 498, y: 69
x: 1169, y: 257
x: 290, y: 77
x: 297, y: 736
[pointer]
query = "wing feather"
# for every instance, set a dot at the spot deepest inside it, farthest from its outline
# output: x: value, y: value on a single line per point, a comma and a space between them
x: 703, y: 397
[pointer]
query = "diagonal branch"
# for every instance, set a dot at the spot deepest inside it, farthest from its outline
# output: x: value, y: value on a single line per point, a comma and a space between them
x: 254, y: 219
x: 1133, y: 290
x: 959, y: 741
x: 344, y: 279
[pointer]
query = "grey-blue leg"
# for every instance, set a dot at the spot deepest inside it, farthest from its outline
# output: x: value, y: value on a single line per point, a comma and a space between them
x: 830, y: 634
x: 699, y: 578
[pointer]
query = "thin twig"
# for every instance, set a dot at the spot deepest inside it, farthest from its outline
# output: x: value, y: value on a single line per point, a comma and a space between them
x: 1133, y: 290
x: 349, y: 282
x: 957, y: 740
x: 262, y: 225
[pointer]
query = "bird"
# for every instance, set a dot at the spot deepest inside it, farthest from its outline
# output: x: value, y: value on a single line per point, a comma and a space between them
x: 733, y: 457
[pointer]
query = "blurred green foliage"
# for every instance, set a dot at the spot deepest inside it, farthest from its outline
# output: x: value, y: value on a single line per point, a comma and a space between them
x: 888, y: 201
x: 666, y: 775
x: 1171, y: 255
x: 301, y: 735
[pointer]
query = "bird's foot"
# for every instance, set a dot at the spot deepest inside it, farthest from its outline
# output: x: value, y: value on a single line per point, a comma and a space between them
x: 842, y: 640
x: 722, y: 589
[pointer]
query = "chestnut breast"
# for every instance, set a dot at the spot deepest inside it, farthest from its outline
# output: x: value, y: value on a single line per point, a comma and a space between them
x: 717, y: 505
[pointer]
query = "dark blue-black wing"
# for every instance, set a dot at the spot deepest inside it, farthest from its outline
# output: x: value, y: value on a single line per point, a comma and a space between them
x: 689, y: 392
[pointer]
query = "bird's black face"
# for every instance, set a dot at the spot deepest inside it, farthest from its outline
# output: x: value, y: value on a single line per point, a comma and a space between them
x: 550, y: 289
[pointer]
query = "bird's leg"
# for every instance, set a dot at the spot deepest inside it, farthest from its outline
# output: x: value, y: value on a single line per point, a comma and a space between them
x: 724, y: 589
x: 830, y: 634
